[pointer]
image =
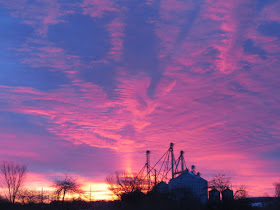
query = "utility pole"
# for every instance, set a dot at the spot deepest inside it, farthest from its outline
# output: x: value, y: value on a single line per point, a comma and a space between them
x: 42, y: 195
x: 90, y: 193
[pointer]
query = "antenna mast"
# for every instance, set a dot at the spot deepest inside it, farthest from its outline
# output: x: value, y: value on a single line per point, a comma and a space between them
x: 172, y: 159
x: 148, y: 168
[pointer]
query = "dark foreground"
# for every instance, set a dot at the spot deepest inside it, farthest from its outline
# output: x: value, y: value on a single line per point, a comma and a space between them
x: 144, y: 204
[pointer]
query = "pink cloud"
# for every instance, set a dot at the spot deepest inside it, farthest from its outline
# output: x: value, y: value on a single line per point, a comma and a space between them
x: 39, y: 14
x: 97, y: 8
x: 116, y: 30
x: 220, y: 113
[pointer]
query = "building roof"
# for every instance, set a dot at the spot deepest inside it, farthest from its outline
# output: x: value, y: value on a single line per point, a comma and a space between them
x: 214, y: 190
x: 188, y: 176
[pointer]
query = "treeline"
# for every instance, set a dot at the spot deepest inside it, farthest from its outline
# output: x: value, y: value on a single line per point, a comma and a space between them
x: 139, y: 201
x: 13, y: 176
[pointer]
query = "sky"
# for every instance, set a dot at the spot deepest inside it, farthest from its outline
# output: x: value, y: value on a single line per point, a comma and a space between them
x: 87, y: 86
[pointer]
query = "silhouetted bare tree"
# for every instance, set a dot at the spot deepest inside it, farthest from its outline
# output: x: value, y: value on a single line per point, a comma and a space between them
x: 277, y: 189
x: 67, y: 185
x: 22, y: 196
x: 219, y: 182
x: 123, y: 183
x: 29, y: 196
x: 241, y: 192
x: 13, y: 175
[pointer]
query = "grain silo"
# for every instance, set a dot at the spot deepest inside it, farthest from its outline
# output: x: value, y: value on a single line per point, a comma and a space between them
x: 227, y: 195
x: 214, y: 196
x: 189, y: 184
x: 161, y: 188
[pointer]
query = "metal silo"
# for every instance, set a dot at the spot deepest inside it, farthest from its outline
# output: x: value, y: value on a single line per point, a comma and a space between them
x: 227, y: 195
x: 214, y: 196
x: 161, y: 188
x: 189, y: 184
